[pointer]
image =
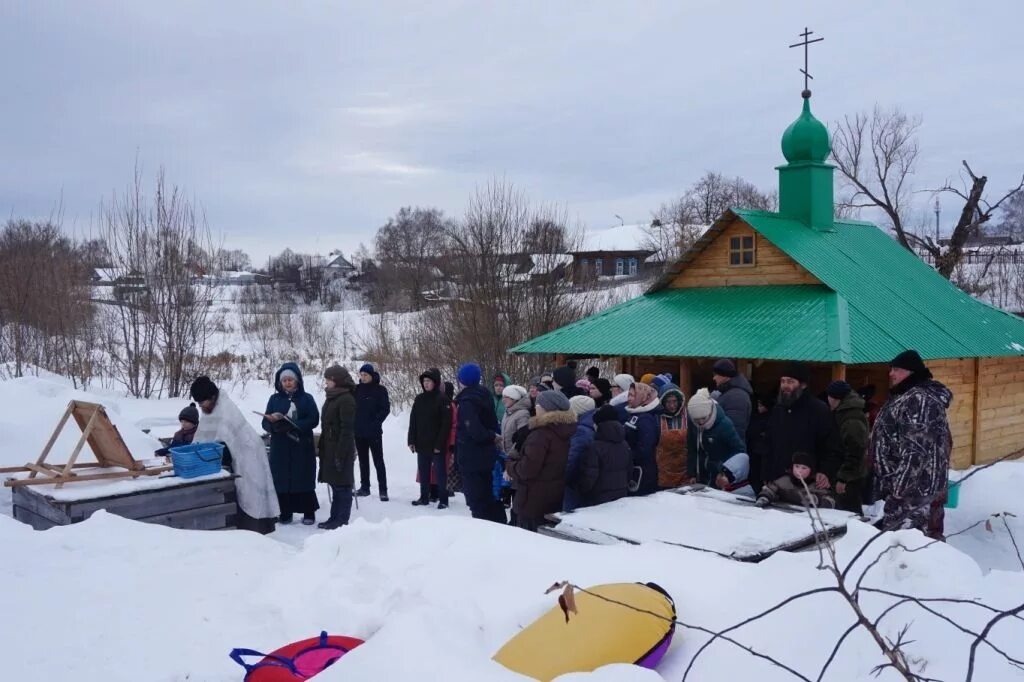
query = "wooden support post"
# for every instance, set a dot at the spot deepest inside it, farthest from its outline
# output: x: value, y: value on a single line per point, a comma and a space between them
x: 559, y: 360
x: 53, y: 438
x: 81, y: 443
x: 976, y: 419
x: 838, y: 371
x: 685, y: 377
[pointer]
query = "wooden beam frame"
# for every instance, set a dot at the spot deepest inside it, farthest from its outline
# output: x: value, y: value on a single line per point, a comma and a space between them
x: 976, y: 417
x: 109, y: 475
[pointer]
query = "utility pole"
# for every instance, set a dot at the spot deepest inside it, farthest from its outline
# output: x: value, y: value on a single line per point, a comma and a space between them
x: 937, y: 210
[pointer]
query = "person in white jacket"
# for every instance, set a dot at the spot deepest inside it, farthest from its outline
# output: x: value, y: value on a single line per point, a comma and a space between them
x: 223, y: 422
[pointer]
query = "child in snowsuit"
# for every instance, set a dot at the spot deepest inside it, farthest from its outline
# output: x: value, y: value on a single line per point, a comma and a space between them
x: 188, y: 419
x: 789, y: 488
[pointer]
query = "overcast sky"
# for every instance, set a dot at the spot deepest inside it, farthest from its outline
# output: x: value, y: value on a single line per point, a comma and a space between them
x: 306, y: 124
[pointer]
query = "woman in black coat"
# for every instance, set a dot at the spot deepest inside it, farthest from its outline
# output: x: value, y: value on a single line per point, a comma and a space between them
x: 607, y: 463
x: 290, y: 418
x: 430, y: 424
x: 338, y: 444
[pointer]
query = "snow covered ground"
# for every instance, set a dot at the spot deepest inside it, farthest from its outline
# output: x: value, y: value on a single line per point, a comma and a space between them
x: 435, y: 594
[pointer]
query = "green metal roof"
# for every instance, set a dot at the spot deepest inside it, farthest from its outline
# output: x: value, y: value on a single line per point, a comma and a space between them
x: 908, y: 303
x: 739, y: 322
x: 878, y: 300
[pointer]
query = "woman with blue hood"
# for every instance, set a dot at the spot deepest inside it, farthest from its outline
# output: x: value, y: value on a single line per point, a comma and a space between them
x: 290, y: 418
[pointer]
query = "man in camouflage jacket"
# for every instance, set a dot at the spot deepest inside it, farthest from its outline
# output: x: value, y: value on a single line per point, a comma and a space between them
x: 910, y: 445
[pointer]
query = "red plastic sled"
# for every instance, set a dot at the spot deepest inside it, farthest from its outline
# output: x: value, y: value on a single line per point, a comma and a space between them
x: 296, y: 661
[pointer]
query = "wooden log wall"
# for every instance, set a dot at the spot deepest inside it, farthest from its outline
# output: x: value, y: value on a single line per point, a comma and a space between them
x: 958, y: 376
x: 712, y: 269
x: 1000, y: 407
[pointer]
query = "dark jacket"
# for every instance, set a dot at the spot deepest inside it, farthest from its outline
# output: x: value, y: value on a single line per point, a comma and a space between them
x: 759, y: 444
x: 538, y: 471
x: 372, y: 407
x: 911, y: 441
x: 643, y: 431
x: 430, y: 418
x: 852, y: 433
x: 180, y: 437
x: 338, y: 438
x: 789, y: 489
x: 707, y: 449
x: 734, y: 397
x: 805, y: 426
x: 292, y: 457
x: 578, y: 445
x: 475, y: 450
x: 605, y: 467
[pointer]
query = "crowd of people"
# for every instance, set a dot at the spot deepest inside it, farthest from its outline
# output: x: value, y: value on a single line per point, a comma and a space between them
x: 519, y: 452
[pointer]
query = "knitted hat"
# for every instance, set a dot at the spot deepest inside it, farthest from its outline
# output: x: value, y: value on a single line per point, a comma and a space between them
x: 203, y: 389
x: 339, y: 375
x: 499, y: 376
x: 553, y: 401
x: 189, y: 414
x: 286, y: 373
x: 469, y: 374
x: 800, y: 457
x: 581, y: 403
x: 584, y: 384
x: 911, y: 361
x: 514, y: 392
x: 647, y: 378
x: 839, y: 389
x: 798, y: 371
x: 593, y: 373
x: 644, y: 393
x: 565, y: 377
x: 607, y: 413
x: 366, y: 369
x: 661, y: 381
x: 700, y: 406
x: 724, y: 368
x: 623, y: 381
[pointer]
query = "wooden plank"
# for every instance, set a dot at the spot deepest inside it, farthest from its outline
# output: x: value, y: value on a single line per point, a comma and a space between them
x: 37, y: 522
x: 685, y: 377
x: 15, y: 483
x: 163, y: 501
x: 31, y: 500
x: 838, y: 371
x: 53, y: 437
x: 204, y: 518
x: 86, y: 432
x: 976, y: 412
x: 25, y: 469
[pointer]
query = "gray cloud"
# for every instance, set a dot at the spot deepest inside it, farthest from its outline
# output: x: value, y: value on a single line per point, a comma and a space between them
x: 307, y: 124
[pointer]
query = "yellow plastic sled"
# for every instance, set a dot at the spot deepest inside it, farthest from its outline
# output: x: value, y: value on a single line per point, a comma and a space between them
x: 601, y: 633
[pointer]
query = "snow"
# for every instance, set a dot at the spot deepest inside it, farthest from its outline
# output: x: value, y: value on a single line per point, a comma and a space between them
x: 716, y: 521
x: 616, y: 238
x: 91, y: 490
x: 435, y: 593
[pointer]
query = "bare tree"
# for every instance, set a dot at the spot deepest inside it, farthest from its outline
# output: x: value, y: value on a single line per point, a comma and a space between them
x: 232, y: 259
x: 160, y: 321
x: 44, y: 299
x: 1012, y: 224
x: 877, y: 155
x: 408, y: 247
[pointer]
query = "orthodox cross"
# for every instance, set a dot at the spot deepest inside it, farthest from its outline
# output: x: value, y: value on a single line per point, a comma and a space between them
x: 806, y: 35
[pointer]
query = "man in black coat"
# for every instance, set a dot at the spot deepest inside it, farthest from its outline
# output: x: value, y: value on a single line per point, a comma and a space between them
x: 733, y: 394
x: 565, y: 381
x: 372, y: 407
x: 475, y: 448
x: 430, y: 423
x: 800, y: 423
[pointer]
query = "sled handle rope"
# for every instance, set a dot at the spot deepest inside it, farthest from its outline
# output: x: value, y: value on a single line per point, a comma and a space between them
x: 289, y: 663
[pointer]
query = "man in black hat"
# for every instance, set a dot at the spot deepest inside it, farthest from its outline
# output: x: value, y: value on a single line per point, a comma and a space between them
x: 800, y: 423
x: 910, y: 447
x: 733, y: 394
x: 851, y: 425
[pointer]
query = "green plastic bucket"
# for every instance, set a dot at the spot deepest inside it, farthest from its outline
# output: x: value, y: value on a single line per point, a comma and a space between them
x: 953, y: 495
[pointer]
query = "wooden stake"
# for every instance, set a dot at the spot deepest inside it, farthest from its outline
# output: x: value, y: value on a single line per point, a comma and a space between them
x: 66, y: 474
x: 53, y: 438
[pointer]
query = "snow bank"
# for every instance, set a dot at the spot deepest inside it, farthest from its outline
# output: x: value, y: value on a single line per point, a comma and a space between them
x: 435, y: 598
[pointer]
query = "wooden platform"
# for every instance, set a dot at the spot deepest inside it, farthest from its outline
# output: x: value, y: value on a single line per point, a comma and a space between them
x: 207, y: 504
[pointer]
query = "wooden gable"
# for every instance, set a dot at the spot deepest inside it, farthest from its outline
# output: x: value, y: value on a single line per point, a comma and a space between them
x: 715, y: 266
